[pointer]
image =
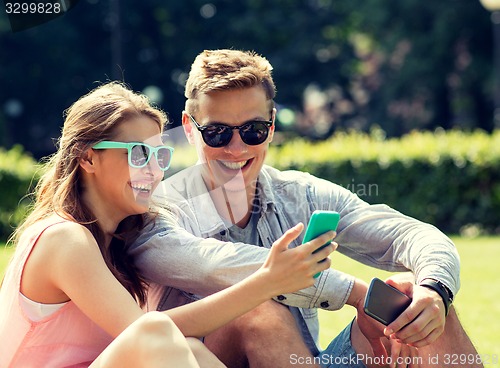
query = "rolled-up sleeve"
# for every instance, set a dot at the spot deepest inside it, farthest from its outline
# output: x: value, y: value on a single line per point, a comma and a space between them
x: 330, y: 292
x: 170, y: 256
x: 382, y: 237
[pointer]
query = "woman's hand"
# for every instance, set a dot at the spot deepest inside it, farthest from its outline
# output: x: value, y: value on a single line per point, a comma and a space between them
x: 285, y: 270
x: 289, y: 270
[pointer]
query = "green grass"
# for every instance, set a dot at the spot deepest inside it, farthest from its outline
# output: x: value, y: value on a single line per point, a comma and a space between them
x: 478, y: 303
x: 5, y: 253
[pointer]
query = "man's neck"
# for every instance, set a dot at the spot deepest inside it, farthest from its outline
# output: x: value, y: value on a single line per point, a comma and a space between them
x: 234, y: 206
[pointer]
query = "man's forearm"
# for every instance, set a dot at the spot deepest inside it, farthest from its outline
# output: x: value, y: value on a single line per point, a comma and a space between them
x: 358, y: 292
x: 175, y: 258
x: 199, y: 266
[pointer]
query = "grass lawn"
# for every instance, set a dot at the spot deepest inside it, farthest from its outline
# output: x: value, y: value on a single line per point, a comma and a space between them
x: 478, y: 303
x: 5, y: 254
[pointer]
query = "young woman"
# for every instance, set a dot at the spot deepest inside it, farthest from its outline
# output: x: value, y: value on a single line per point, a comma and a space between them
x: 71, y: 296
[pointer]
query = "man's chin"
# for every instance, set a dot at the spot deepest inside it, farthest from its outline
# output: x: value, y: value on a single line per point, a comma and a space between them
x: 231, y: 180
x: 234, y: 184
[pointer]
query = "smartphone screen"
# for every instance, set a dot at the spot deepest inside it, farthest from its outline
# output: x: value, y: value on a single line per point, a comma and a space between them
x: 384, y: 302
x: 320, y: 223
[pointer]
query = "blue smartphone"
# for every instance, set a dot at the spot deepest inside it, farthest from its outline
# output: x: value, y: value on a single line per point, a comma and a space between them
x: 319, y: 223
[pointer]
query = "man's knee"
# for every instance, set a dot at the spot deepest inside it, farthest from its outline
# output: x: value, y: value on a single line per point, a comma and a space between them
x: 454, y: 332
x: 452, y: 317
x: 268, y: 318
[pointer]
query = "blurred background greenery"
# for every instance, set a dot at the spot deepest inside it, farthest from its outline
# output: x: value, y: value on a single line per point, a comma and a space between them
x: 356, y: 79
x: 403, y: 65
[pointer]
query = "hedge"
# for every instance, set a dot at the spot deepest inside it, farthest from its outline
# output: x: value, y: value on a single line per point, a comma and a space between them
x: 17, y: 175
x: 448, y: 178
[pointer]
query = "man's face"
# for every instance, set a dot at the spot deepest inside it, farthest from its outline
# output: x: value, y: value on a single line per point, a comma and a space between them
x: 235, y: 166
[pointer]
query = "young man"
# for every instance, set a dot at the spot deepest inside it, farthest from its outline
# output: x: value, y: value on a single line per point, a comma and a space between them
x: 231, y: 199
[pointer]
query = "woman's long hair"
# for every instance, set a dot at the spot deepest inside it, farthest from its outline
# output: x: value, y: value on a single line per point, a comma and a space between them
x: 91, y: 119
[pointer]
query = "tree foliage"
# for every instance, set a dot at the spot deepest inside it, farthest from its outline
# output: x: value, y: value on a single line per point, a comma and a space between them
x: 345, y: 63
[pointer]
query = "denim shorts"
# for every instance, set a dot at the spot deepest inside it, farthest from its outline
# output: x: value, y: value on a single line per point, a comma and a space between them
x: 340, y: 353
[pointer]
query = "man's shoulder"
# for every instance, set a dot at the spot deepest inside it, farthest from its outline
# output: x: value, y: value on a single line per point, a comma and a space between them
x: 186, y: 175
x: 299, y: 183
x: 180, y: 184
x: 278, y: 175
x: 282, y: 178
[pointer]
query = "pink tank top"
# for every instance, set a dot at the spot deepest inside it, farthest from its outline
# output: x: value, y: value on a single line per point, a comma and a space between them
x: 66, y: 338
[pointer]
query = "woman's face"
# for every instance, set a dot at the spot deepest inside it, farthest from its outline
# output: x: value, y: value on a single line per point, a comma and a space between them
x: 126, y: 190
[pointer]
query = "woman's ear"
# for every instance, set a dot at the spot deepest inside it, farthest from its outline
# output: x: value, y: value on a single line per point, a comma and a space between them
x: 87, y: 161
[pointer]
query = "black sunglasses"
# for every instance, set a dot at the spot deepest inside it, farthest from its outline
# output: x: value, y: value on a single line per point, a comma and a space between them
x: 253, y: 132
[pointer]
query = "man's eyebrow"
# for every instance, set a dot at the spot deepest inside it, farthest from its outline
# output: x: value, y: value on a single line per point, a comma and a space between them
x: 259, y: 118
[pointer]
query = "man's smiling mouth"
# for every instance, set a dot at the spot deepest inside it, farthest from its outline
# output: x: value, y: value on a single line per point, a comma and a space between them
x: 234, y: 165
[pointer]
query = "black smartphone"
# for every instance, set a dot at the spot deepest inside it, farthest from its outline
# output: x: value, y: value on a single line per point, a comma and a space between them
x: 384, y: 302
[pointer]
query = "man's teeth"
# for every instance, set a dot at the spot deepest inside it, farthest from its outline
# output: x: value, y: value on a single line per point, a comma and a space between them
x: 234, y: 165
x: 142, y: 187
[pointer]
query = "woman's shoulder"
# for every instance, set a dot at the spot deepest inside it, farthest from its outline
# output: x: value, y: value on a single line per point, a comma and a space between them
x: 67, y: 231
x: 56, y: 233
x: 56, y: 247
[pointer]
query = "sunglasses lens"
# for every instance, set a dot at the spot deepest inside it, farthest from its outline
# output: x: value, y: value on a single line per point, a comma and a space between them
x: 164, y: 156
x: 139, y: 155
x: 254, y: 133
x: 217, y: 135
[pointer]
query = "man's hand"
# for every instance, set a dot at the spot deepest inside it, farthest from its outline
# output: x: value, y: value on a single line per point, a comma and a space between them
x: 370, y: 328
x: 423, y: 321
x: 387, y: 350
x: 381, y: 346
x: 373, y: 331
x: 402, y: 355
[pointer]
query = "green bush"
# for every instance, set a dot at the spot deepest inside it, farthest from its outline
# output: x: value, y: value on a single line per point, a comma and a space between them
x: 448, y: 178
x: 17, y: 173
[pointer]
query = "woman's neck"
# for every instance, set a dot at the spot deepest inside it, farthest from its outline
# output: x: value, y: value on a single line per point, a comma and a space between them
x: 108, y: 220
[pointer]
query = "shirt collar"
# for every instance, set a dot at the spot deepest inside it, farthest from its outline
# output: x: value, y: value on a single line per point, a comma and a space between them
x: 191, y: 187
x: 265, y: 191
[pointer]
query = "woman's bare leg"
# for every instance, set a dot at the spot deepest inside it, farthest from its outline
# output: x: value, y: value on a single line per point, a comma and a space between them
x: 151, y: 341
x: 205, y: 358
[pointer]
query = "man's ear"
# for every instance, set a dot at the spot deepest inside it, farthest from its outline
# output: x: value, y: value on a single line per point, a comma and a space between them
x: 271, y: 130
x: 188, y: 127
x: 87, y: 161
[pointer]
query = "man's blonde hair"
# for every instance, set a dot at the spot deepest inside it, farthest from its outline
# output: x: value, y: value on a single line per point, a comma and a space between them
x: 221, y: 70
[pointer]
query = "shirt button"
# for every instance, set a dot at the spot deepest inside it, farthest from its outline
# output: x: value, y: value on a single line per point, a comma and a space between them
x: 324, y: 304
x: 281, y: 297
x: 223, y: 233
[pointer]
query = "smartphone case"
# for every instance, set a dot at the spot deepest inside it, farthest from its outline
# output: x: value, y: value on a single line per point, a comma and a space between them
x: 319, y: 223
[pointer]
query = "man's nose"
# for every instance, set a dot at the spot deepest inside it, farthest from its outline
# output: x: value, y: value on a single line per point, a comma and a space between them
x: 236, y: 144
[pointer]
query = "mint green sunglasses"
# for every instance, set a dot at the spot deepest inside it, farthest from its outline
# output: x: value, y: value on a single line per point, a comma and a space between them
x: 140, y: 153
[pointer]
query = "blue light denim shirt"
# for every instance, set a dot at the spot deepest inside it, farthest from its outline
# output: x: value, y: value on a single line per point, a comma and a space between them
x: 195, y: 258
